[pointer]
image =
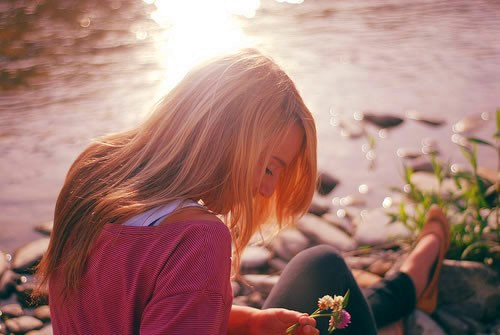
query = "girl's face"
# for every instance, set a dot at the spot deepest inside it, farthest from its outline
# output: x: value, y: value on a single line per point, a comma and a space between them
x: 281, y: 157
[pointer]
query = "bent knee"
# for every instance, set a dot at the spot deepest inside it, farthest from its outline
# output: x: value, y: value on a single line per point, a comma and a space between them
x: 323, y: 256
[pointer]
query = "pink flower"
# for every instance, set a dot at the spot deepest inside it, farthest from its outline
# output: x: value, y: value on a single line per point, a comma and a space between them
x: 340, y: 320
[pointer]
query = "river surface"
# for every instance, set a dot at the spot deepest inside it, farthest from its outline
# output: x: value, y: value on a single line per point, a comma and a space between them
x: 74, y: 70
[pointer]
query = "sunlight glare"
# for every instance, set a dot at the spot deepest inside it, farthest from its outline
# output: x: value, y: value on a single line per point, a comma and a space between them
x: 195, y: 30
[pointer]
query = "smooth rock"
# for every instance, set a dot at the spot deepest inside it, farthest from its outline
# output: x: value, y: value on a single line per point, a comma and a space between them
x: 409, y: 153
x: 46, y: 330
x: 452, y: 324
x: 45, y: 228
x: 351, y: 128
x: 472, y: 286
x: 317, y: 209
x: 322, y: 232
x: 426, y: 119
x: 469, y: 124
x: 380, y: 267
x: 359, y: 262
x: 375, y: 228
x: 428, y: 182
x: 277, y: 264
x: 11, y: 310
x: 422, y: 324
x: 255, y: 257
x: 326, y: 183
x: 236, y: 287
x: 8, y: 284
x: 29, y: 255
x: 289, y: 243
x: 344, y: 223
x: 254, y: 299
x: 491, y: 175
x: 382, y: 120
x: 263, y: 283
x: 365, y: 279
x: 4, y: 264
x: 350, y: 200
x: 43, y: 313
x: 422, y: 164
x: 23, y: 324
x: 24, y: 296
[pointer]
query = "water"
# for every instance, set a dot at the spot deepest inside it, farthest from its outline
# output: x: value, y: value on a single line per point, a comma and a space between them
x: 73, y: 70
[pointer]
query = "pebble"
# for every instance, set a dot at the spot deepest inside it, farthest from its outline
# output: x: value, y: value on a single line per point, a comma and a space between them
x: 408, y: 153
x: 359, y: 262
x: 344, y: 223
x: 317, y: 209
x: 428, y: 182
x: 4, y: 264
x: 426, y: 119
x: 24, y: 292
x: 46, y: 330
x: 277, y: 264
x: 351, y: 128
x: 254, y: 257
x: 469, y: 124
x: 23, y: 324
x: 262, y: 282
x: 45, y: 228
x: 326, y: 183
x: 289, y: 243
x: 322, y: 232
x: 382, y: 120
x: 29, y: 255
x: 8, y: 284
x: 374, y: 228
x: 380, y: 266
x: 43, y: 313
x: 365, y: 279
x: 11, y: 311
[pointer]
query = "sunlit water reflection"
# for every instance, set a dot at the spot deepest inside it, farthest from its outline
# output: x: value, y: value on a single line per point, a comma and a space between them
x: 72, y: 70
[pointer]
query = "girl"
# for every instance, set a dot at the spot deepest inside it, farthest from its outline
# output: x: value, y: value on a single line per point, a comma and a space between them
x: 138, y: 246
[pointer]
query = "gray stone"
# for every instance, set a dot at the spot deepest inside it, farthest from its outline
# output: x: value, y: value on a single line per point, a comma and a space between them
x: 236, y: 288
x: 318, y: 209
x: 45, y: 228
x: 472, y: 286
x: 422, y: 164
x: 289, y: 243
x: 23, y: 324
x: 344, y: 223
x: 46, y: 330
x: 374, y: 228
x: 263, y: 283
x: 365, y: 279
x: 254, y: 299
x: 255, y: 257
x: 428, y: 182
x: 359, y: 262
x: 24, y: 296
x: 409, y: 153
x: 425, y: 119
x: 29, y: 255
x: 326, y: 183
x: 42, y: 313
x: 469, y: 124
x: 8, y: 284
x: 351, y: 128
x: 382, y: 120
x: 419, y: 323
x: 380, y: 266
x: 11, y: 310
x: 451, y: 323
x: 277, y: 264
x: 322, y: 232
x: 4, y: 264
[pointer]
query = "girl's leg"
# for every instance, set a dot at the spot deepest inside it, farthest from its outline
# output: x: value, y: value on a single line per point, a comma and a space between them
x: 316, y: 272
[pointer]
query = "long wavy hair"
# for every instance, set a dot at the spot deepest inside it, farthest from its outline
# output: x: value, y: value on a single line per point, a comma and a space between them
x: 203, y: 141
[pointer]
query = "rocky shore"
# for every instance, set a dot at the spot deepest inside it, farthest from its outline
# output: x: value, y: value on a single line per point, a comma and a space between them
x: 469, y: 295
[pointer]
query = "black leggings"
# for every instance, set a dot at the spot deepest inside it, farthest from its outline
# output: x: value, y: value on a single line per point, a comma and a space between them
x: 320, y: 270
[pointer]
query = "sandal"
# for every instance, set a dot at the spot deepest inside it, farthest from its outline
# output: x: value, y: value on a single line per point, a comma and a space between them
x: 437, y: 224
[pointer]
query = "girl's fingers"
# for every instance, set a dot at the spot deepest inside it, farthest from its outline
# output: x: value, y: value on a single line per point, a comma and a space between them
x: 306, y: 320
x: 308, y: 330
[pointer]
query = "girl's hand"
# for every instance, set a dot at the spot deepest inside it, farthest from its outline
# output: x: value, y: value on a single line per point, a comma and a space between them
x: 275, y: 321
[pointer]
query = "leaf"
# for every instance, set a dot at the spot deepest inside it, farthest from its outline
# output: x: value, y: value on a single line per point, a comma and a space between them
x: 497, y: 134
x: 346, y: 298
x: 480, y: 141
x: 498, y: 120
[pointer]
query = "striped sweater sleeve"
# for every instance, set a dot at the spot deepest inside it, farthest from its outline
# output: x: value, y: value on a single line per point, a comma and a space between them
x: 191, y: 292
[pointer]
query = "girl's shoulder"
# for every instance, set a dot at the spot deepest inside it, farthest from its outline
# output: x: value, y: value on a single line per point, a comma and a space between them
x: 190, y: 214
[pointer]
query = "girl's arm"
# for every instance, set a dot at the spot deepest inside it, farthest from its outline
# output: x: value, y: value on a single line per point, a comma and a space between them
x: 273, y: 321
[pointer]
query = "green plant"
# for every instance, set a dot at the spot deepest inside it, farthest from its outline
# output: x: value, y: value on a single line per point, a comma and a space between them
x: 472, y: 207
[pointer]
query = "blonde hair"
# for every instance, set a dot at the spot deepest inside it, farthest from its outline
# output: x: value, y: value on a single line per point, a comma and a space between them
x: 203, y: 141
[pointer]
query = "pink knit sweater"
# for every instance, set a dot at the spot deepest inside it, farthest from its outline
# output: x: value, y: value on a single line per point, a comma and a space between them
x: 170, y: 279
